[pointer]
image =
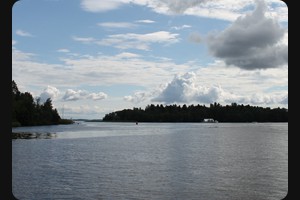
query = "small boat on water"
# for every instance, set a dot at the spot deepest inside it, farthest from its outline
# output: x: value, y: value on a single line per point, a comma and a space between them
x: 210, y: 120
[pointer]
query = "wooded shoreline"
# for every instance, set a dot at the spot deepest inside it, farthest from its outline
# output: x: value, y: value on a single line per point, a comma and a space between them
x: 198, y: 113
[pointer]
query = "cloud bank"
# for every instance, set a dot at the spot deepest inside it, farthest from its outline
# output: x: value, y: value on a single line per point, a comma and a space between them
x: 226, y: 9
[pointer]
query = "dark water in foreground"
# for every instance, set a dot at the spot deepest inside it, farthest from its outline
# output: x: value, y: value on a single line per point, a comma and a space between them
x: 153, y: 161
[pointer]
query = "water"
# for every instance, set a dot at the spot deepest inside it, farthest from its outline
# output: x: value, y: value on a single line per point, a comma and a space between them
x: 97, y: 160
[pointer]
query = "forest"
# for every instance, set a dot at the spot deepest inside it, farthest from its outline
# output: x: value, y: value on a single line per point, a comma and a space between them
x: 197, y: 113
x: 27, y: 111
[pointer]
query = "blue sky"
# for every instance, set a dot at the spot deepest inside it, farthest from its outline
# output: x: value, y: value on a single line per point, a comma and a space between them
x: 92, y: 57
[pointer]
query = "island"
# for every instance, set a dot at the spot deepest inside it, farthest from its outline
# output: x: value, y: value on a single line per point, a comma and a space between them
x: 199, y: 113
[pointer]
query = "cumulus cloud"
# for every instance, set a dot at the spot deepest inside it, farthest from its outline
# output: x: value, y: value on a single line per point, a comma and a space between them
x: 73, y: 95
x: 184, y: 89
x: 180, y: 89
x: 49, y: 92
x: 97, y: 96
x: 251, y: 42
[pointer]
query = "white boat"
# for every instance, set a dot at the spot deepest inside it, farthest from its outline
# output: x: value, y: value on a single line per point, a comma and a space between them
x: 209, y: 120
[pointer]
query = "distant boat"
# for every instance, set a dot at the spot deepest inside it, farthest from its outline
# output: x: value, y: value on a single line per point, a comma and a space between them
x: 209, y: 120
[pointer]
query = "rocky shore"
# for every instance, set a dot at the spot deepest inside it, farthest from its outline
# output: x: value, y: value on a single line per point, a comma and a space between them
x: 32, y: 135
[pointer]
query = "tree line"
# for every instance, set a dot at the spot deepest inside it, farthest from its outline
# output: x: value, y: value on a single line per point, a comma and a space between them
x: 27, y: 111
x: 197, y: 113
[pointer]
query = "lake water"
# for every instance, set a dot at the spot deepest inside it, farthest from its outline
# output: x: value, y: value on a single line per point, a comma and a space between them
x: 98, y: 160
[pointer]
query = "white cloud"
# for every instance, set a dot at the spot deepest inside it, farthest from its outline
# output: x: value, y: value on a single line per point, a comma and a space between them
x: 127, y: 55
x: 63, y: 50
x: 97, y: 96
x: 137, y: 97
x: 14, y: 42
x: 214, y: 82
x: 18, y: 55
x: 129, y: 68
x: 100, y: 6
x: 178, y: 90
x: 117, y: 25
x: 181, y: 27
x: 49, y: 92
x: 132, y: 69
x: 123, y: 68
x: 214, y: 13
x: 179, y: 6
x: 73, y: 95
x: 146, y: 21
x: 225, y: 10
x: 84, y: 39
x: 185, y: 88
x: 159, y: 37
x: 135, y: 41
x: 23, y: 33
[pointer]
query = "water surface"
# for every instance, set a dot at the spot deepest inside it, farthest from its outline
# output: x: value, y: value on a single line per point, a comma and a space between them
x: 97, y: 160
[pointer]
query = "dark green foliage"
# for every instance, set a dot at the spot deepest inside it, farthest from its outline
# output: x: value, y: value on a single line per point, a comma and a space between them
x: 66, y: 121
x: 27, y: 112
x: 197, y: 113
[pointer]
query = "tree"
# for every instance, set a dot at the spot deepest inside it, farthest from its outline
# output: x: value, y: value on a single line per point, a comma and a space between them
x: 27, y: 112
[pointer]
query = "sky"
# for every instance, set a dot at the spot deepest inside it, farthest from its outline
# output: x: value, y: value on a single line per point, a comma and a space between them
x: 93, y: 57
